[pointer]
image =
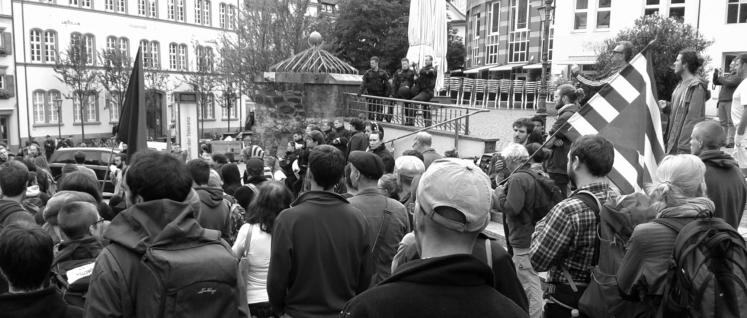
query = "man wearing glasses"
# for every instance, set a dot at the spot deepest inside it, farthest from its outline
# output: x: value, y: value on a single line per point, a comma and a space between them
x: 621, y: 55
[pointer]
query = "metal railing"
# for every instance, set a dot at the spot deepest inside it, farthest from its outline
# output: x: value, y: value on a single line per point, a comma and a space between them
x: 417, y: 114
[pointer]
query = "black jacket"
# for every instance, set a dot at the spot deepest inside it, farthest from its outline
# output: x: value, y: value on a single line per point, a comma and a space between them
x: 12, y: 212
x: 402, y: 85
x: 386, y: 157
x: 320, y: 256
x: 447, y: 286
x: 215, y: 211
x: 44, y: 303
x: 725, y: 185
x: 375, y: 83
x: 427, y: 79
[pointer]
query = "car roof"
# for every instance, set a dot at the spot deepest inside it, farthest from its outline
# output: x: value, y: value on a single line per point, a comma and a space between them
x: 89, y: 149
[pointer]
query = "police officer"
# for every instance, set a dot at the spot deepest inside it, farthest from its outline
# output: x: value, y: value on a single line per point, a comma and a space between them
x: 426, y: 82
x: 403, y: 87
x: 376, y: 83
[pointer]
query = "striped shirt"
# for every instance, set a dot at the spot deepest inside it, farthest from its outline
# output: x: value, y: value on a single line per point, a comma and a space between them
x: 565, y: 238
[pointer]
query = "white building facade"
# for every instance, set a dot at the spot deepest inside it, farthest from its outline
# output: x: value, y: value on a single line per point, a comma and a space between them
x: 581, y: 26
x: 8, y: 115
x: 173, y: 34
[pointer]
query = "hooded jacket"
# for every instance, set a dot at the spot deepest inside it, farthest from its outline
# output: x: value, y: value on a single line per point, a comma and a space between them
x: 215, y: 211
x: 320, y: 256
x: 448, y: 286
x: 386, y: 157
x: 643, y: 271
x: 111, y: 292
x: 686, y: 109
x: 43, y: 303
x: 12, y: 212
x: 558, y: 161
x: 725, y: 185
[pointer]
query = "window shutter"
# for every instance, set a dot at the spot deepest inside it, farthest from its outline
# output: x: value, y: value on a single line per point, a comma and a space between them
x: 7, y: 43
x: 10, y: 85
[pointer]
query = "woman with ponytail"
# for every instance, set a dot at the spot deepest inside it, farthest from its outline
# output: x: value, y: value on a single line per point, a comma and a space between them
x: 679, y: 196
x: 566, y: 102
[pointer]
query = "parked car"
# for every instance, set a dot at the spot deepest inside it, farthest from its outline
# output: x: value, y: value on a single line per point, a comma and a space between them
x: 98, y: 159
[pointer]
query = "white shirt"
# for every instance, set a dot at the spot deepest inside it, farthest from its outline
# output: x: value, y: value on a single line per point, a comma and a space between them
x: 259, y: 261
x: 738, y: 101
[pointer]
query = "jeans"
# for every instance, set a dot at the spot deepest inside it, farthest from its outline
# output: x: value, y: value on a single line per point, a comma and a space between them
x: 724, y: 117
x: 530, y: 280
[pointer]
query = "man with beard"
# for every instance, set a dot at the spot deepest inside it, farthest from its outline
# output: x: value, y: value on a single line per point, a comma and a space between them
x: 687, y: 107
x: 621, y: 55
x: 378, y: 148
x: 376, y: 83
x: 426, y: 82
x: 563, y: 241
x: 402, y: 88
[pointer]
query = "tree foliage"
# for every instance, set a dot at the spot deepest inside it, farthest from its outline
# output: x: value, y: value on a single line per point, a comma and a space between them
x: 116, y: 74
x: 455, y: 51
x: 75, y: 69
x: 367, y: 28
x: 672, y: 36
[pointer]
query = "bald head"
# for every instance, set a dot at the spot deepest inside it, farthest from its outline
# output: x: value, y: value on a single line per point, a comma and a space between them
x: 708, y: 135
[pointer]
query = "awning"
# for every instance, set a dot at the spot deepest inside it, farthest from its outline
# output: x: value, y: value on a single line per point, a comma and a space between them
x: 477, y: 69
x: 535, y: 66
x: 506, y: 67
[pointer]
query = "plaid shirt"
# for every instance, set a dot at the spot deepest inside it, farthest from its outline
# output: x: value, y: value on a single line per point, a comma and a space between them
x: 565, y: 237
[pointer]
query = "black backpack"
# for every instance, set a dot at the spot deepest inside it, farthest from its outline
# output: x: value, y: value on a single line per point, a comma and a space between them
x: 197, y: 277
x: 547, y: 195
x: 708, y: 276
x: 72, y: 275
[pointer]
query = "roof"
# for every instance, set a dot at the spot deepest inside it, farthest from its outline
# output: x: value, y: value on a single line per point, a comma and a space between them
x: 314, y: 60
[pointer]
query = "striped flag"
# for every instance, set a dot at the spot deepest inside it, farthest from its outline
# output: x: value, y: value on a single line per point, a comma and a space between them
x: 626, y: 113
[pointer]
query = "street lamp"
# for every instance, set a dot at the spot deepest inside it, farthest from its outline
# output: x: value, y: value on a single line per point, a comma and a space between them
x: 229, y: 96
x: 542, y: 107
x: 58, y: 104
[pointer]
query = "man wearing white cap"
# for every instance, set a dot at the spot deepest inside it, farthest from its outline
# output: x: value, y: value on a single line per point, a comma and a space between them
x: 452, y: 208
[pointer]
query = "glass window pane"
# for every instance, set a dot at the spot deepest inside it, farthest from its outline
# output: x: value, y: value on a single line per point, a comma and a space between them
x: 603, y: 19
x: 731, y: 13
x: 743, y: 13
x: 582, y: 4
x: 605, y: 3
x: 580, y: 21
x: 678, y: 1
x: 677, y: 13
x: 495, y: 16
x: 651, y: 11
x: 522, y: 15
x: 652, y: 2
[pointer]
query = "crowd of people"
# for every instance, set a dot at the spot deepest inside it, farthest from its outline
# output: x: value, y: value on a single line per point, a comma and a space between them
x: 338, y: 226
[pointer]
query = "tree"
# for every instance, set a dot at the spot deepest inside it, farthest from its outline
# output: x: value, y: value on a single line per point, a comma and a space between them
x: 367, y: 28
x: 116, y: 74
x: 455, y: 51
x: 672, y: 36
x: 75, y: 69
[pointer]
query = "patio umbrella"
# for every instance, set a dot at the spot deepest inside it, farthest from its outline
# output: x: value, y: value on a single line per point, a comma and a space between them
x: 427, y: 35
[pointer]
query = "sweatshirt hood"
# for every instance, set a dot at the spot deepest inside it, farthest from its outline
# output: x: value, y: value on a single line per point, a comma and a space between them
x: 692, y: 208
x: 8, y: 207
x: 568, y: 108
x: 154, y: 222
x: 320, y: 198
x: 210, y: 196
x: 459, y: 269
x: 719, y: 159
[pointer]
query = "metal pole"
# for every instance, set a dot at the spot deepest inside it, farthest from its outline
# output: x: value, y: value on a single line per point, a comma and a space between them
x: 542, y: 107
x: 82, y: 119
x: 58, y: 103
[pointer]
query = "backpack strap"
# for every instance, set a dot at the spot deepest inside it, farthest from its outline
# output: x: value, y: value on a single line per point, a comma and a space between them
x: 488, y: 253
x: 591, y: 201
x: 384, y: 224
x: 673, y: 225
x: 248, y: 241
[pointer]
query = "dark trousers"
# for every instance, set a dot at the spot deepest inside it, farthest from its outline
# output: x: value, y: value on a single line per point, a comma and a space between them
x: 561, y: 180
x: 423, y: 96
x: 261, y: 310
x: 564, y: 294
x: 724, y: 117
x: 390, y: 111
x: 375, y: 109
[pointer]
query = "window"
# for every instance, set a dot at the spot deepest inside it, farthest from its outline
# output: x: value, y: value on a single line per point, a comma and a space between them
x: 79, y: 3
x: 150, y: 54
x: 124, y: 48
x: 207, y: 110
x: 183, y: 57
x: 495, y: 11
x: 677, y: 9
x: 112, y: 102
x: 518, y: 44
x: 603, y: 14
x: 171, y: 10
x: 202, y: 12
x: 112, y: 44
x: 180, y: 10
x: 672, y: 8
x: 142, y: 7
x: 198, y: 11
x: 116, y: 6
x: 204, y: 58
x: 231, y: 17
x: 36, y: 55
x: 90, y: 111
x: 234, y: 111
x: 173, y: 48
x: 153, y: 9
x: 519, y: 14
x: 652, y: 7
x: 327, y: 8
x: 109, y: 6
x: 222, y: 15
x: 122, y: 6
x: 581, y: 14
x: 38, y: 99
x: 90, y: 48
x: 73, y: 2
x: 477, y: 28
x: 736, y: 11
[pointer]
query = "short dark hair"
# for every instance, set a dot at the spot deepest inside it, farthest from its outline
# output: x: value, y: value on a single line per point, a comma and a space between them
x: 595, y: 152
x: 220, y: 158
x: 199, y: 170
x: 691, y: 58
x: 358, y: 124
x: 154, y: 175
x: 627, y: 50
x: 374, y: 58
x: 79, y: 157
x: 13, y: 178
x: 536, y: 152
x: 414, y: 153
x: 327, y: 165
x: 272, y: 198
x: 574, y: 94
x: 524, y: 122
x: 317, y: 137
x: 25, y: 255
x: 404, y: 59
x: 742, y: 58
x: 81, y: 182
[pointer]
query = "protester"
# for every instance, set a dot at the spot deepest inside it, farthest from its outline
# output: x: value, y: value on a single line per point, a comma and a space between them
x: 4, y: 155
x: 254, y: 173
x: 389, y: 185
x: 25, y: 259
x: 516, y: 200
x: 729, y: 82
x: 453, y: 208
x: 379, y: 148
x: 160, y: 215
x: 622, y: 53
x: 373, y: 127
x: 219, y: 160
x: 13, y: 178
x: 340, y: 129
x: 253, y: 151
x: 253, y: 242
x: 724, y: 180
x: 329, y: 133
x: 58, y: 201
x: 387, y: 218
x: 375, y: 82
x: 320, y: 246
x: 414, y: 153
x: 679, y: 196
x: 83, y: 182
x: 537, y: 156
x: 231, y: 178
x: 44, y: 176
x: 214, y: 210
x: 523, y: 127
x: 408, y: 170
x: 403, y: 85
x: 739, y: 100
x: 688, y: 103
x: 566, y: 97
x: 272, y: 169
x: 426, y: 83
x: 563, y: 241
x: 423, y: 145
x: 358, y: 140
x: 80, y: 162
x: 49, y: 146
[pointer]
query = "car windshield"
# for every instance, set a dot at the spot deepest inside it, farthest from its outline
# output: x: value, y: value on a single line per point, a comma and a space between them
x: 93, y: 157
